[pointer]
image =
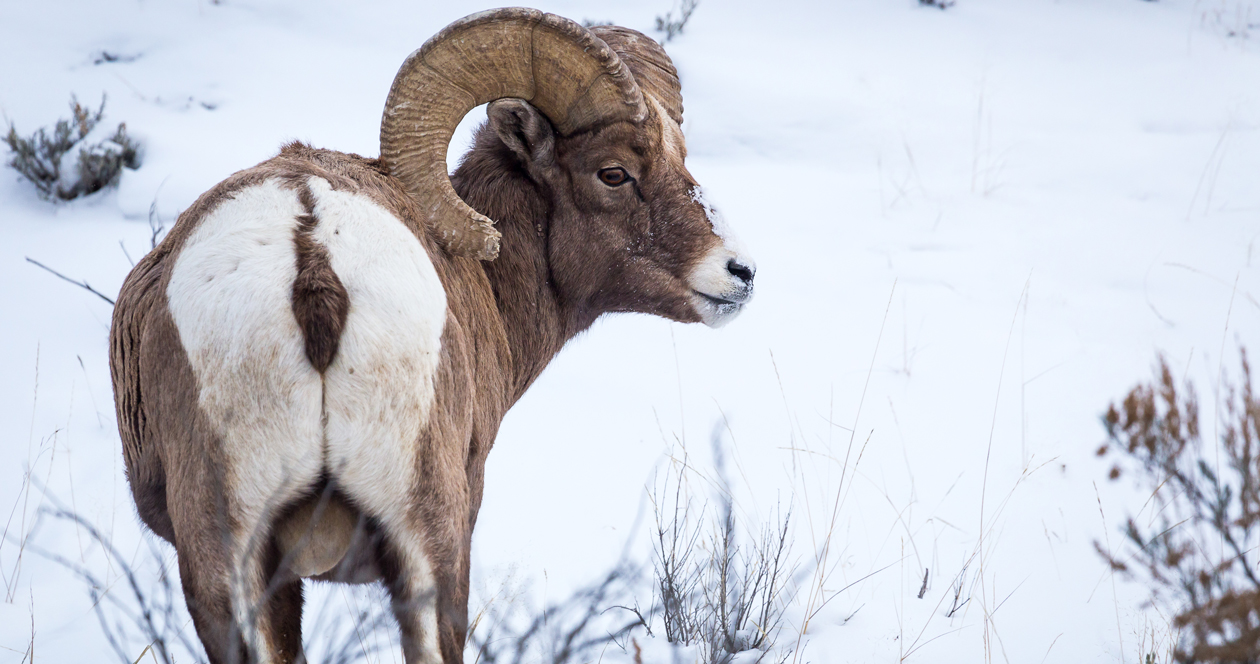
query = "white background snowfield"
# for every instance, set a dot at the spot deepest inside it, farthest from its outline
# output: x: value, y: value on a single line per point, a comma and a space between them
x: 974, y: 228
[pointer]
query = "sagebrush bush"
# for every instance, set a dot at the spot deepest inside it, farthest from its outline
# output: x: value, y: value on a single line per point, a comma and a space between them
x: 44, y: 158
x: 1199, y: 554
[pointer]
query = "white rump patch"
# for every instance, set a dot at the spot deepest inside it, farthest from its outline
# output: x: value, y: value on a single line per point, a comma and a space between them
x: 379, y: 390
x: 230, y: 295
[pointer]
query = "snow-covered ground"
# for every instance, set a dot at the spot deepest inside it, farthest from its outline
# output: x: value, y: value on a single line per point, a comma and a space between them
x: 974, y: 228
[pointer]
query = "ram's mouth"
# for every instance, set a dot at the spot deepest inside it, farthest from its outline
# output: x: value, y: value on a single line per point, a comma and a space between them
x: 718, y: 291
x: 715, y: 301
x: 716, y: 311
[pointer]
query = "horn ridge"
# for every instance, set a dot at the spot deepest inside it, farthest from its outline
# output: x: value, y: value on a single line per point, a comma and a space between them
x: 650, y: 65
x: 571, y: 75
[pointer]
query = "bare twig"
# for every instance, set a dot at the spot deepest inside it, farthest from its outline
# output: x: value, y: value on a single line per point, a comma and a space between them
x: 568, y: 632
x: 156, y: 223
x: 671, y: 26
x: 80, y: 284
x: 959, y: 582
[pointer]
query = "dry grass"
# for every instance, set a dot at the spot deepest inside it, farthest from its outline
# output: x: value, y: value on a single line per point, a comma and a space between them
x: 1233, y: 19
x: 826, y: 558
x: 17, y: 529
x: 713, y: 589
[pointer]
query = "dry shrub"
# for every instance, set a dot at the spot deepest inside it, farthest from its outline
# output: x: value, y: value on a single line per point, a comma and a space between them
x: 140, y: 618
x: 716, y: 590
x: 672, y: 26
x: 1199, y: 554
x: 720, y: 591
x: 146, y: 619
x: 577, y: 629
x: 42, y: 158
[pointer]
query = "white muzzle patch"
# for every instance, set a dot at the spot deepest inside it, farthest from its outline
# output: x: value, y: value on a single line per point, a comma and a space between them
x: 722, y: 282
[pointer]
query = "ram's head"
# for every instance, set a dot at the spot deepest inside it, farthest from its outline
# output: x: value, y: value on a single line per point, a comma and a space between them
x: 594, y: 117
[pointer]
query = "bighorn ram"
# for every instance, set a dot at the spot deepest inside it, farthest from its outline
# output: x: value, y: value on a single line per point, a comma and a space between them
x: 311, y: 368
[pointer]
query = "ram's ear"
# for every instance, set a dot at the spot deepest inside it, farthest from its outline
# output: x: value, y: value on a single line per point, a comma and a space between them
x: 526, y: 132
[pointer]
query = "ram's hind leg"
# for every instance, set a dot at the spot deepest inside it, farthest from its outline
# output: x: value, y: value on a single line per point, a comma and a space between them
x: 408, y: 576
x: 204, y: 563
x: 244, y: 608
x: 280, y: 617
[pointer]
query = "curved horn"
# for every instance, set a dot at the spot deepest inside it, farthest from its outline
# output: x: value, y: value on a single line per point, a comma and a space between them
x: 653, y: 71
x: 566, y: 72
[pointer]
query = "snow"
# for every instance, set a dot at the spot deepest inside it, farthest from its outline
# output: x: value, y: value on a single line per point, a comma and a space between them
x: 716, y: 220
x: 974, y: 229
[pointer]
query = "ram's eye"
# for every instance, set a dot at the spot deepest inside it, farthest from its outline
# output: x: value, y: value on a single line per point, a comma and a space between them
x: 614, y: 177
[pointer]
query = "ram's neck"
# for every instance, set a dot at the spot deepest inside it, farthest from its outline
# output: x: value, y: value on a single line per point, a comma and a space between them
x: 536, y: 322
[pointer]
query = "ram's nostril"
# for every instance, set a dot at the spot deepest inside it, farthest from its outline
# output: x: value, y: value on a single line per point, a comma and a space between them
x: 740, y: 271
